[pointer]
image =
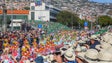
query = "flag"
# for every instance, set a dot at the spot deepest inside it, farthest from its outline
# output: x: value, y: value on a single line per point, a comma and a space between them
x: 38, y: 2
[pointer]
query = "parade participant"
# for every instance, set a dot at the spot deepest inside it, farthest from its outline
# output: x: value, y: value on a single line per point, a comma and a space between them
x: 24, y: 46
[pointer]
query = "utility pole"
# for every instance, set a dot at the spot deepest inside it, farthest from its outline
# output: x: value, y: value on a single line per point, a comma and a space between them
x: 12, y: 15
x: 91, y: 25
x: 4, y: 26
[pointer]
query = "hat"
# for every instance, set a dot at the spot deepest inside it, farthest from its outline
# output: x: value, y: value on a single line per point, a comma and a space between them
x: 62, y: 50
x: 27, y: 61
x: 39, y: 54
x: 31, y: 59
x: 50, y: 57
x: 104, y: 55
x: 91, y: 54
x: 45, y: 57
x: 93, y: 37
x: 66, y: 46
x: 78, y: 48
x: 98, y: 35
x: 106, y: 37
x: 83, y: 48
x: 103, y: 62
x: 71, y: 49
x: 109, y: 49
x: 105, y: 45
x: 98, y: 47
x: 69, y: 55
x: 85, y: 39
x: 81, y: 41
x: 109, y: 41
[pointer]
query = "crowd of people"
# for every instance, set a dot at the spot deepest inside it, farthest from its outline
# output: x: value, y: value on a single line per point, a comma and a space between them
x: 36, y: 47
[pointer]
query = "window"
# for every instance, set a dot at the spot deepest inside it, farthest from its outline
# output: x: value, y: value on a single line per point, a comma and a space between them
x: 32, y: 15
x: 32, y: 8
x: 14, y: 16
x: 47, y: 8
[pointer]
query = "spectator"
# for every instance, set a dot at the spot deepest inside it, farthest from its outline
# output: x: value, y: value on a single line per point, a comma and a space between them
x: 92, y: 43
x: 39, y: 59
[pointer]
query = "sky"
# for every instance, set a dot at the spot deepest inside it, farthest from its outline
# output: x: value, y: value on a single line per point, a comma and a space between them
x: 102, y: 1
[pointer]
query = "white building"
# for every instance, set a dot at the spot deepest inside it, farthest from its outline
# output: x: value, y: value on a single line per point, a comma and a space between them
x: 43, y: 12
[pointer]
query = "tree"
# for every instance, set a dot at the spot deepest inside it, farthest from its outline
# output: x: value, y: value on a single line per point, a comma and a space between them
x: 67, y: 18
x: 104, y: 20
x: 81, y: 22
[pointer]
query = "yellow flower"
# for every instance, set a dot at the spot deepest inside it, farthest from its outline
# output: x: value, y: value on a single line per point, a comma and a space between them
x: 5, y: 44
x: 15, y: 42
x: 24, y: 49
x: 6, y: 40
x: 34, y: 40
x: 27, y: 46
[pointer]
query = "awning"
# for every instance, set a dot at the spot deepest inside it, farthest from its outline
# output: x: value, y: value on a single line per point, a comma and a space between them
x: 15, y: 25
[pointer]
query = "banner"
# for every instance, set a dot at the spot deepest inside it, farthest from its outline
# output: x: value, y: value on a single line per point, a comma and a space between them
x: 38, y: 2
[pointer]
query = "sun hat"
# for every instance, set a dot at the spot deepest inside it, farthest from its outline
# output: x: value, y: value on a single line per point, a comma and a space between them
x: 50, y: 57
x: 83, y: 48
x: 109, y: 49
x: 98, y: 35
x: 62, y: 50
x: 85, y: 39
x: 27, y: 61
x: 69, y: 55
x: 103, y: 62
x: 109, y: 41
x: 78, y: 48
x: 31, y: 59
x: 71, y: 49
x: 93, y: 37
x: 98, y: 47
x: 81, y: 41
x: 106, y: 37
x: 45, y: 58
x: 104, y: 55
x: 91, y: 54
x: 105, y: 45
x: 98, y: 38
x: 66, y: 46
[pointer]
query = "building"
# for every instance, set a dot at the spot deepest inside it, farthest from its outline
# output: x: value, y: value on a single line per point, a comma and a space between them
x: 14, y: 15
x: 17, y: 14
x: 43, y: 12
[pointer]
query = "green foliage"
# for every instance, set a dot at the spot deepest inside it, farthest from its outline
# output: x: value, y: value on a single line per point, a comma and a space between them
x: 82, y: 23
x: 104, y: 20
x: 67, y: 18
x: 27, y: 8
